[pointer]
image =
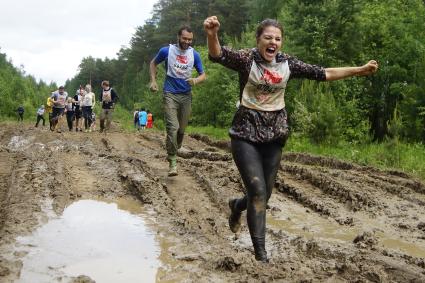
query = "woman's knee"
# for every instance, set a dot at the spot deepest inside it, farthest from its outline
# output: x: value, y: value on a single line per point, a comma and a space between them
x: 258, y: 202
x: 257, y: 191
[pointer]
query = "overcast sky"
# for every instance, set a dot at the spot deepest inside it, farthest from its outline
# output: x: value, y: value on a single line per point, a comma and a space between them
x: 50, y: 37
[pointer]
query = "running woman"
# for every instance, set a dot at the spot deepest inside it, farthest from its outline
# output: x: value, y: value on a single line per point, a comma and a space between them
x: 259, y: 129
x: 70, y: 111
x: 87, y: 104
x: 78, y: 97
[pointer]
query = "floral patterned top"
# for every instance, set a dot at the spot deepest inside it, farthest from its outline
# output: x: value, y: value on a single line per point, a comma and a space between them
x: 261, y: 117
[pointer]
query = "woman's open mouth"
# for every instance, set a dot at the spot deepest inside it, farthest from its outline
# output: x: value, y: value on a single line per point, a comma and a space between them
x: 270, y: 51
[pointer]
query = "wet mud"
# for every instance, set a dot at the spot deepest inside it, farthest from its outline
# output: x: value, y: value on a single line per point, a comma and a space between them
x: 327, y: 220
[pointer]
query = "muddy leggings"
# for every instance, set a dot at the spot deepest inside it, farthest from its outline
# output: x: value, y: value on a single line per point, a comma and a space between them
x: 258, y: 165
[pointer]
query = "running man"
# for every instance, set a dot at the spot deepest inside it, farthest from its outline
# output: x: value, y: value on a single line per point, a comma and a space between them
x: 180, y: 59
x: 59, y: 100
x: 108, y: 97
x: 20, y: 112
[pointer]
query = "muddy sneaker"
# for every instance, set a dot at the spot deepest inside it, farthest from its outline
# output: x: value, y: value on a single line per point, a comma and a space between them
x: 172, y: 171
x: 235, y: 217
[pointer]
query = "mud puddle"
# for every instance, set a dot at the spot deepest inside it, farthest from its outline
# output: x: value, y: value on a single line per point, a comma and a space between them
x: 107, y: 242
x: 301, y: 222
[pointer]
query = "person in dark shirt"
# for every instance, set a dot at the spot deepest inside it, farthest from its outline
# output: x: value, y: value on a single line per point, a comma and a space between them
x: 259, y: 129
x: 108, y: 97
x: 20, y: 112
x: 78, y: 97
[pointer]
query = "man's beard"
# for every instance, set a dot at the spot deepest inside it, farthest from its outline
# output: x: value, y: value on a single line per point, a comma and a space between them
x: 183, y: 45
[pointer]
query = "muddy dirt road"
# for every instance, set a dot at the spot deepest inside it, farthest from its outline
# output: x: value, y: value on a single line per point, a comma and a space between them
x: 328, y: 221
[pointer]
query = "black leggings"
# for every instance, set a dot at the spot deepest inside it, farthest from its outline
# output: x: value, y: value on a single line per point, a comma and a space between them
x: 70, y: 119
x: 87, y: 111
x: 258, y: 165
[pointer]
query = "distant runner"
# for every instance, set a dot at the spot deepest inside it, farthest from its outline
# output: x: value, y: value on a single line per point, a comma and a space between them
x: 49, y: 110
x: 108, y: 97
x: 87, y: 104
x: 149, y: 125
x: 136, y: 119
x: 78, y: 97
x: 20, y: 112
x: 40, y: 116
x: 143, y: 119
x: 69, y: 109
x: 59, y: 100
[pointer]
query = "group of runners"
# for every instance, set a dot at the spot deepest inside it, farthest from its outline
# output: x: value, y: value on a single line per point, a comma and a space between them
x: 78, y: 110
x: 143, y: 119
x: 259, y: 128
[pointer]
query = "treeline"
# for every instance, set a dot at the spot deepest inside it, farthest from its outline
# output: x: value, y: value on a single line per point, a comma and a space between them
x: 17, y: 88
x: 326, y: 32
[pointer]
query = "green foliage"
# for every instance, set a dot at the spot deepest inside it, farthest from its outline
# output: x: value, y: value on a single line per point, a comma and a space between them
x: 215, y: 133
x: 319, y: 115
x: 18, y: 89
x: 214, y: 101
x: 335, y: 33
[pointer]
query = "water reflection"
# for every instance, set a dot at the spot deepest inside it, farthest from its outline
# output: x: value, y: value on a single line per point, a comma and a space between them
x: 93, y: 238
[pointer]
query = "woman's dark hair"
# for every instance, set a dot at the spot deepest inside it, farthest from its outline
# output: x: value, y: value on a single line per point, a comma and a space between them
x: 266, y: 23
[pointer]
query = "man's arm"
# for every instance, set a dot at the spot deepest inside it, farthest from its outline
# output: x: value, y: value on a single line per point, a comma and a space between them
x: 152, y: 71
x: 333, y: 74
x: 197, y: 80
x: 198, y: 66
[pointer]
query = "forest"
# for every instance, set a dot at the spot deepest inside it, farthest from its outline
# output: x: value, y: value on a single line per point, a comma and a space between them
x: 329, y: 33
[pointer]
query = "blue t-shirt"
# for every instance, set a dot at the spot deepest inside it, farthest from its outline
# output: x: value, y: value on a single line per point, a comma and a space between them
x: 175, y: 84
x: 143, y: 117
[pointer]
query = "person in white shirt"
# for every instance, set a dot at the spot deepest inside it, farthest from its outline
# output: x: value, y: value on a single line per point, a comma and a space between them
x: 40, y: 116
x: 87, y: 103
x: 59, y: 100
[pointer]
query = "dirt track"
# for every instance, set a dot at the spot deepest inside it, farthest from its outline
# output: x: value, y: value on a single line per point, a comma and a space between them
x: 328, y: 221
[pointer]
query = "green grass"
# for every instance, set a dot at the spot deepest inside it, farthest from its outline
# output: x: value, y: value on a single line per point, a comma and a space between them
x: 409, y: 158
x: 215, y: 133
